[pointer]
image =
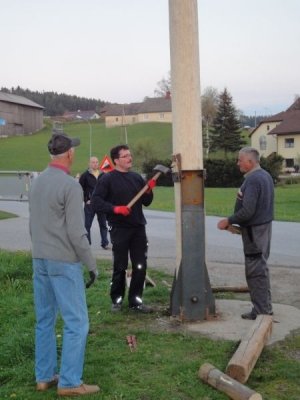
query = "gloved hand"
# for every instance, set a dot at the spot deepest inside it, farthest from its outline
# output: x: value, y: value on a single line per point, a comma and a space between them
x: 93, y: 277
x: 151, y: 184
x: 123, y: 210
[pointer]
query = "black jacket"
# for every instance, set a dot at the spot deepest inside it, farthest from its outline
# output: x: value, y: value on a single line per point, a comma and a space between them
x: 88, y: 182
x: 118, y: 188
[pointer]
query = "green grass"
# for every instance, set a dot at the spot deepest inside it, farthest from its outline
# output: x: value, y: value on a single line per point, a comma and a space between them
x: 31, y: 153
x: 167, y: 359
x: 220, y: 201
x: 5, y: 215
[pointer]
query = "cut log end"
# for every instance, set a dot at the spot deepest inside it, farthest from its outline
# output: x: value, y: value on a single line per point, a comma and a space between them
x: 224, y: 383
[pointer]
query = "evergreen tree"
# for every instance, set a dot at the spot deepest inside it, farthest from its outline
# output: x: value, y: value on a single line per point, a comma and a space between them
x: 226, y: 132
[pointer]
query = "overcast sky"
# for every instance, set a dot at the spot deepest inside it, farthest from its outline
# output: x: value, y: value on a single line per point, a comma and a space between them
x: 117, y: 50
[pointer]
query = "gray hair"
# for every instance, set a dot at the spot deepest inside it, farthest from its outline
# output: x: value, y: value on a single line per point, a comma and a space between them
x: 62, y: 155
x: 251, y: 152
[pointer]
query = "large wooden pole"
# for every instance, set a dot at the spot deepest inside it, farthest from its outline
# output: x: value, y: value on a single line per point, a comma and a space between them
x: 191, y: 297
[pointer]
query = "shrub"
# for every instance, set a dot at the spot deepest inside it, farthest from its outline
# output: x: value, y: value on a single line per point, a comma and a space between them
x: 164, y: 180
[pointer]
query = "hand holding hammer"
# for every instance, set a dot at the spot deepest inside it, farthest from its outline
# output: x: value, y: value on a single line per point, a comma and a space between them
x: 161, y: 169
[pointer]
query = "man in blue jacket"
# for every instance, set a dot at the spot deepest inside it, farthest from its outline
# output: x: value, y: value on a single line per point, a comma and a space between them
x: 254, y: 212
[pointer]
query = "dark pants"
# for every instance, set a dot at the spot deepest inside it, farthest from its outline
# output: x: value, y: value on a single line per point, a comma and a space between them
x: 89, y: 215
x: 256, y: 241
x: 132, y: 241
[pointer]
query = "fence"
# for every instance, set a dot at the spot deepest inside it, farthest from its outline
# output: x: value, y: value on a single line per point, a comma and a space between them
x: 14, y: 185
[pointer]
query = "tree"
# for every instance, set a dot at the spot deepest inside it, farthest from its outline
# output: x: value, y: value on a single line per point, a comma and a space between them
x: 209, y: 106
x: 164, y: 87
x: 226, y: 132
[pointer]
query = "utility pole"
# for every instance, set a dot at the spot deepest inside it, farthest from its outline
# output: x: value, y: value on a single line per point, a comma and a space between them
x: 191, y: 296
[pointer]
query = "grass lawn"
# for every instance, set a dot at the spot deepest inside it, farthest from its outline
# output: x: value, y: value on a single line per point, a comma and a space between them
x: 167, y: 359
x: 220, y: 201
x: 31, y: 153
x: 5, y: 215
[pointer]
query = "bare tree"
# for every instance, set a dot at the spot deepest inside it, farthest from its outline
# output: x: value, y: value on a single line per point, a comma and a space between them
x: 209, y: 106
x: 164, y: 87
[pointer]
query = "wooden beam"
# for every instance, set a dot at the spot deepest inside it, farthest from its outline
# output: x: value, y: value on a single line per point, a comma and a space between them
x: 245, y: 357
x: 235, y: 289
x: 235, y: 390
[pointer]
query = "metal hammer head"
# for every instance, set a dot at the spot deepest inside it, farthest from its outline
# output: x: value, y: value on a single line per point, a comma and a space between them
x: 161, y: 168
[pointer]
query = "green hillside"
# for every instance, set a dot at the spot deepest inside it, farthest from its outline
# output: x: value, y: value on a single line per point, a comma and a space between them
x: 30, y: 152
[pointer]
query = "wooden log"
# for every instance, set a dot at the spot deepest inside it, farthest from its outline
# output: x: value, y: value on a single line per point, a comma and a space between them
x: 235, y: 289
x: 225, y: 384
x: 246, y: 355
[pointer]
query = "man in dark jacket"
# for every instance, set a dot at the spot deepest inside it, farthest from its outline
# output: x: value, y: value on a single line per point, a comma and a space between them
x: 254, y: 210
x: 88, y: 182
x: 128, y: 233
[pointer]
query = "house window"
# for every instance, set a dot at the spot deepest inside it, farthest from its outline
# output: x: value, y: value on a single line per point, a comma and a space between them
x: 289, y: 162
x: 146, y: 116
x: 117, y: 119
x: 288, y: 143
x: 162, y: 116
x: 262, y: 143
x: 268, y: 127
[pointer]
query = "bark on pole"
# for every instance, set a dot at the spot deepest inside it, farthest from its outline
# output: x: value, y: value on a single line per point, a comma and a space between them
x: 225, y: 384
x: 191, y: 297
x: 250, y: 348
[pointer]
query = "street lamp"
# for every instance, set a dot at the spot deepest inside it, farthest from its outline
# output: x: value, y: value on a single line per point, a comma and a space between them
x: 86, y: 120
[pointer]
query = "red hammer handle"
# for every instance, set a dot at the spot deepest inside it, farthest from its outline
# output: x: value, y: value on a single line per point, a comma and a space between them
x: 141, y: 192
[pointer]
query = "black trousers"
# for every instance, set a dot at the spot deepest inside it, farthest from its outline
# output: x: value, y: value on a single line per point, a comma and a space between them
x: 89, y: 215
x: 128, y: 242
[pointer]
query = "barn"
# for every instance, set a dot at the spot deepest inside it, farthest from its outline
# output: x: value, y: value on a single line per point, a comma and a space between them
x: 19, y: 116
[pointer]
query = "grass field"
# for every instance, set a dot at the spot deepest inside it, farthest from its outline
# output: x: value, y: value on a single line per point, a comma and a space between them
x: 220, y: 201
x: 167, y: 359
x: 30, y: 153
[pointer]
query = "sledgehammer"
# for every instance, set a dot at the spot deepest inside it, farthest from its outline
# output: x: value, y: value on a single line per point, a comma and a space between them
x: 161, y: 170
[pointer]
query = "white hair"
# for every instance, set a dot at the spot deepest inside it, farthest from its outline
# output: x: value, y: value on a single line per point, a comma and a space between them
x: 251, y: 152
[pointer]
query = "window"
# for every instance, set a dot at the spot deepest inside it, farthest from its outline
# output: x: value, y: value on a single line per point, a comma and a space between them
x: 268, y: 127
x: 289, y: 162
x: 162, y: 116
x: 117, y: 119
x: 262, y: 143
x: 146, y: 116
x: 288, y: 143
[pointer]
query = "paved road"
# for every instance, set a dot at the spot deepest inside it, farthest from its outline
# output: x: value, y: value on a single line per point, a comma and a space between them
x: 221, y: 247
x: 223, y: 250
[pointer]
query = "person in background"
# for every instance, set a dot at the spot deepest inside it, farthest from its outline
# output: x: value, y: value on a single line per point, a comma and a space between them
x: 254, y: 212
x: 59, y: 248
x: 88, y: 182
x: 127, y: 227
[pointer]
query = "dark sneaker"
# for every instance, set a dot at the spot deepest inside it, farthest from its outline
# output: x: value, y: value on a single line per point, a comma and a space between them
x: 250, y: 315
x: 115, y: 307
x: 141, y: 308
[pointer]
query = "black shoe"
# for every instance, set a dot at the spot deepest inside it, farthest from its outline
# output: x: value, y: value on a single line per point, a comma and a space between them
x: 141, y: 308
x: 250, y: 315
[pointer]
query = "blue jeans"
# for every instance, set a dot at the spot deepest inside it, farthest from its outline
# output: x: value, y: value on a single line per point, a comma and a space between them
x: 89, y: 215
x: 59, y: 287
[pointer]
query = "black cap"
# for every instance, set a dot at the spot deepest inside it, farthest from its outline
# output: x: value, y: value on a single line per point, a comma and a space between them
x: 60, y: 143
